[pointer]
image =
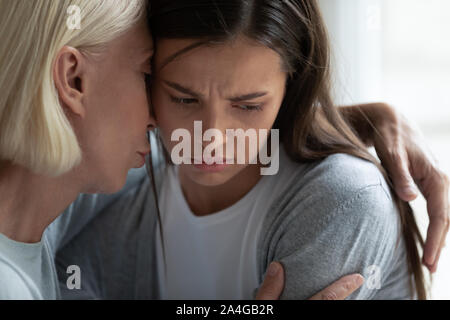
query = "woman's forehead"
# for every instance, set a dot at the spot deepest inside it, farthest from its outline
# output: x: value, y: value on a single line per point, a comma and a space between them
x: 134, y: 45
x: 233, y: 54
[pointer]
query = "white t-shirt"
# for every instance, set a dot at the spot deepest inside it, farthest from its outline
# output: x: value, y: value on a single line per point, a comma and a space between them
x: 27, y: 270
x: 214, y: 256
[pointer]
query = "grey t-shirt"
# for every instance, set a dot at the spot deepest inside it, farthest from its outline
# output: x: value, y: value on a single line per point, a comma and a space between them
x: 337, y: 217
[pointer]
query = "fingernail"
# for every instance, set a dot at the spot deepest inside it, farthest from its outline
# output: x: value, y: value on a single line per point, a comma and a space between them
x: 359, y: 280
x: 273, y: 269
x: 429, y: 259
x: 410, y: 190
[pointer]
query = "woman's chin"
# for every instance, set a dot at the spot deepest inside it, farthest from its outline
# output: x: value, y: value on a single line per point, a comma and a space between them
x: 210, y: 180
x: 210, y: 177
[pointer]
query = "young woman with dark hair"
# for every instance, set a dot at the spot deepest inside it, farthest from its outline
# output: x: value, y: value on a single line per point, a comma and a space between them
x: 329, y: 190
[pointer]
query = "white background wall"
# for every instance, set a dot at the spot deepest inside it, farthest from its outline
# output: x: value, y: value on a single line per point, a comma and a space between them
x: 398, y: 51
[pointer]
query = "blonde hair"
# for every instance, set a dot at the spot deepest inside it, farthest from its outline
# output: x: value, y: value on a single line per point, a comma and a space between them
x: 34, y: 130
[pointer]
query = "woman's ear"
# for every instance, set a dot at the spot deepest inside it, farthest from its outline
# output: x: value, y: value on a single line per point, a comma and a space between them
x: 68, y: 76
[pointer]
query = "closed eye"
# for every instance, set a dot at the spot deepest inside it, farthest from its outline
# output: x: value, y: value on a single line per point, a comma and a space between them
x: 244, y: 107
x: 184, y: 101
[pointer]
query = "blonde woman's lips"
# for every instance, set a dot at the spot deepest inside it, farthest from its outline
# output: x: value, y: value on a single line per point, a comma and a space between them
x: 142, y: 155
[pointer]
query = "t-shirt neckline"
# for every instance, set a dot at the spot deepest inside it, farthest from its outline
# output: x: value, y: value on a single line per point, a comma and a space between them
x: 216, y: 217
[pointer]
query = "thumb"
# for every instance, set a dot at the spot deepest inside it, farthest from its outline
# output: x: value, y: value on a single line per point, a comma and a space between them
x: 341, y: 289
x: 273, y: 284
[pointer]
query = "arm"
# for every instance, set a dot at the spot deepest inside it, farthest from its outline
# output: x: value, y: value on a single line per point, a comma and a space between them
x: 341, y: 241
x: 337, y: 218
x: 405, y: 157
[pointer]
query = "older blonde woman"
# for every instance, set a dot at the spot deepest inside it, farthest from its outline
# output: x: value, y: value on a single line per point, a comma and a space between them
x: 73, y: 119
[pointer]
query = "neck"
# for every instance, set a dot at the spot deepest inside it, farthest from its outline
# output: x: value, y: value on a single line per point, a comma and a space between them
x: 206, y: 200
x: 29, y: 203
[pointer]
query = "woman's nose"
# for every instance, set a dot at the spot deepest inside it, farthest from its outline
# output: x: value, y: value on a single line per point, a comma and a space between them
x: 213, y: 119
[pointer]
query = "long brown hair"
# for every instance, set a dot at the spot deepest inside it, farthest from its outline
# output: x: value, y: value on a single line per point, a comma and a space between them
x: 311, y: 127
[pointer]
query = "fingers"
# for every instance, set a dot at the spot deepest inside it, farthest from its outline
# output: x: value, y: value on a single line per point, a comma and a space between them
x: 404, y: 184
x: 341, y: 289
x: 394, y: 158
x: 406, y: 158
x: 392, y: 143
x: 273, y: 284
x: 435, y: 189
x: 433, y: 267
x: 434, y: 243
x: 434, y: 186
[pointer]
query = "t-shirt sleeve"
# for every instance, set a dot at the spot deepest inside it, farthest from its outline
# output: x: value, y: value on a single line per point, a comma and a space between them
x: 84, y: 209
x: 324, y: 241
x: 13, y: 287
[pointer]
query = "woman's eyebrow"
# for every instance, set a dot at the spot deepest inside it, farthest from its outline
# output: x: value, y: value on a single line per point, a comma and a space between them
x: 182, y: 89
x: 248, y: 96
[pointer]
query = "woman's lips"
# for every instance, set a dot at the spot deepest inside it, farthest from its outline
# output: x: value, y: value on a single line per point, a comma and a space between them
x: 143, y: 155
x: 210, y: 167
x: 212, y: 161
